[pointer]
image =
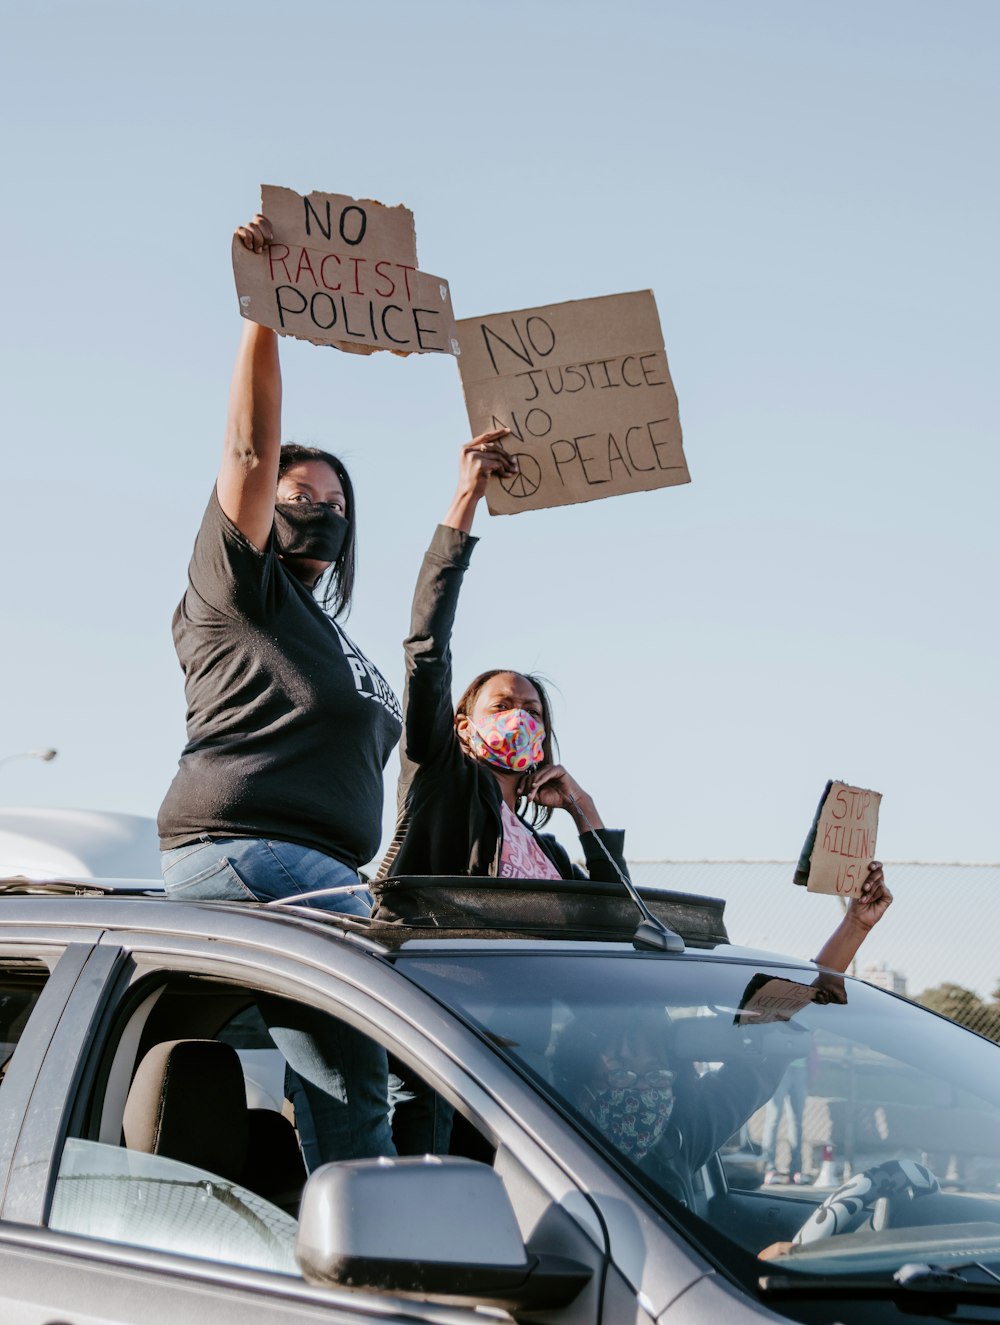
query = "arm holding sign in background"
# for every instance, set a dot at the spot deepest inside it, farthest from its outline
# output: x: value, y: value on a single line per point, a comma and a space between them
x: 863, y: 913
x: 840, y: 841
x: 248, y: 474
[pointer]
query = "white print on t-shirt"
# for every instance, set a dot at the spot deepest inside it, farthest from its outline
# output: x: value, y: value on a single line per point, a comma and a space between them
x: 520, y: 856
x: 368, y: 680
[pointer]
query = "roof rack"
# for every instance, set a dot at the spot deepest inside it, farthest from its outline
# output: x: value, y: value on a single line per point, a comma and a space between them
x: 22, y: 885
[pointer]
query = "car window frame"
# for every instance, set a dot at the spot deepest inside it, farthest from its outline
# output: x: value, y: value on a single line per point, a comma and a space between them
x: 359, y: 996
x: 42, y: 1081
x: 24, y: 957
x: 65, y: 961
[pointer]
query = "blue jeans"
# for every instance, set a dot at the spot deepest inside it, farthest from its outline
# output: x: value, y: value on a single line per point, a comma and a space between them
x: 337, y: 1073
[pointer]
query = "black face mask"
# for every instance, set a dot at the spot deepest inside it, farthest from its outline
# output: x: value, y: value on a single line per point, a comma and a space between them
x: 308, y: 529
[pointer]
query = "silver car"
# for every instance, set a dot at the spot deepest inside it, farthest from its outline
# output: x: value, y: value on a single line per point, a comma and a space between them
x: 149, y: 1171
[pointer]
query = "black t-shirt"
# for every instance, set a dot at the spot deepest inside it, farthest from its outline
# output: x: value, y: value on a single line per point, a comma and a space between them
x: 289, y: 725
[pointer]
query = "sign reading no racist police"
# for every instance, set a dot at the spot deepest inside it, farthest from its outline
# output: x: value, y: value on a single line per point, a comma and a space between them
x: 343, y: 271
x: 585, y: 389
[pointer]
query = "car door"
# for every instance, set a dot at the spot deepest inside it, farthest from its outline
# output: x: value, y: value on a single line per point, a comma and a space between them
x: 53, y: 1276
x: 86, y: 1279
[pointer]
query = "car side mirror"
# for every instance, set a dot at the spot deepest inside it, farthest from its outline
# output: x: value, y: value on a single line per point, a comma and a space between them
x: 427, y: 1227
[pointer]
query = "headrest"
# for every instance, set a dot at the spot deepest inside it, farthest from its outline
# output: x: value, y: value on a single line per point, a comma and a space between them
x: 188, y: 1102
x: 276, y: 1167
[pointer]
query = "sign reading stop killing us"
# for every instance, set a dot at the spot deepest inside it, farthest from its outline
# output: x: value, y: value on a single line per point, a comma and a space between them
x: 841, y: 842
x: 585, y: 390
x: 343, y: 271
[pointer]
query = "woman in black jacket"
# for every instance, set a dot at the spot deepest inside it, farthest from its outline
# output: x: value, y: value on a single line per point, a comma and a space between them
x: 478, y: 780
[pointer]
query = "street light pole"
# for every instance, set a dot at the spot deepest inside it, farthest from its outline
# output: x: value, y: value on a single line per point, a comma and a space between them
x: 46, y: 754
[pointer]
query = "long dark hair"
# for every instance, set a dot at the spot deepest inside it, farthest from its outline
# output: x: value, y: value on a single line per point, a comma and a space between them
x: 338, y: 582
x: 536, y: 814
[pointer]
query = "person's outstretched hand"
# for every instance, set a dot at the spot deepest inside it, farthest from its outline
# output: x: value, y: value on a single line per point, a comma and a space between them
x: 842, y: 946
x: 868, y: 909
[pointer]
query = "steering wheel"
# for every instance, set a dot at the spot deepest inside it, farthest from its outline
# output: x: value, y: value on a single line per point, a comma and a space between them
x: 842, y: 1210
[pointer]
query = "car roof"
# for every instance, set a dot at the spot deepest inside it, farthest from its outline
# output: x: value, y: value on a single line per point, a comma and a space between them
x: 485, y: 907
x: 142, y: 904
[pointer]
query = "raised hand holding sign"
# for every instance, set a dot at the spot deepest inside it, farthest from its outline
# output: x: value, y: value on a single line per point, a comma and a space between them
x: 841, y: 841
x: 585, y: 390
x: 341, y: 271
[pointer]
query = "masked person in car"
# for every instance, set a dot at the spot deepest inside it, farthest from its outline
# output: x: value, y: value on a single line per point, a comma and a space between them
x: 620, y: 1069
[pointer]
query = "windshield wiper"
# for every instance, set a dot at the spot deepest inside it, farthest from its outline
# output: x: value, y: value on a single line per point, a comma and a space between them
x: 972, y: 1282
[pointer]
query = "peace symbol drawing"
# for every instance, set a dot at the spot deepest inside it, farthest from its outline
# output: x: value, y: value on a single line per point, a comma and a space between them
x: 527, y: 480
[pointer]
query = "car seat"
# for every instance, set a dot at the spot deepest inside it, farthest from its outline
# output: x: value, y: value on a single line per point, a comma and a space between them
x: 187, y: 1102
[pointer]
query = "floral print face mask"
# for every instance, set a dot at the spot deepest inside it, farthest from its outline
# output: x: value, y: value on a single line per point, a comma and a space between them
x: 511, y: 739
x: 633, y: 1117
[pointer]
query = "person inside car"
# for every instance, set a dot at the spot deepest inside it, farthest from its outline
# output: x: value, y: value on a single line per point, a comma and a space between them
x: 620, y: 1071
x: 479, y: 780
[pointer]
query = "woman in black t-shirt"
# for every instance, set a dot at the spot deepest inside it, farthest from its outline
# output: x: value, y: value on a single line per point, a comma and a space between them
x: 279, y: 789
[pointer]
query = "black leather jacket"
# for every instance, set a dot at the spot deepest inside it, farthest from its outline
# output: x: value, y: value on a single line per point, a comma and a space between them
x: 448, y: 804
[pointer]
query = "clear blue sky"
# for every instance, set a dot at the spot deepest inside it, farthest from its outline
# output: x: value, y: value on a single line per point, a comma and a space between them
x: 811, y: 191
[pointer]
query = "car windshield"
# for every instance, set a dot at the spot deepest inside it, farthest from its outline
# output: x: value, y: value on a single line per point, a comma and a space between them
x: 881, y: 1145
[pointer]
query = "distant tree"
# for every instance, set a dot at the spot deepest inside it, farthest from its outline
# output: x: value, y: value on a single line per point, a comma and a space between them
x: 965, y: 1007
x: 952, y: 1001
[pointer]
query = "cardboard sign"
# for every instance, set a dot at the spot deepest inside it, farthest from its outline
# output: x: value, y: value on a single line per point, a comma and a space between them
x: 770, y: 999
x: 585, y: 389
x: 841, y: 841
x: 343, y: 272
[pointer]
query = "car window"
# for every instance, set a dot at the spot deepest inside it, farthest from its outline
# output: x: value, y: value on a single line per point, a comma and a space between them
x: 21, y: 983
x: 122, y: 1195
x: 668, y: 1067
x: 157, y: 1161
x: 843, y: 1106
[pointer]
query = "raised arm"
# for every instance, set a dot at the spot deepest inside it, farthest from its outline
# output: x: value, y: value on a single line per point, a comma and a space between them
x: 481, y: 458
x: 864, y: 912
x: 248, y: 475
x: 428, y: 718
